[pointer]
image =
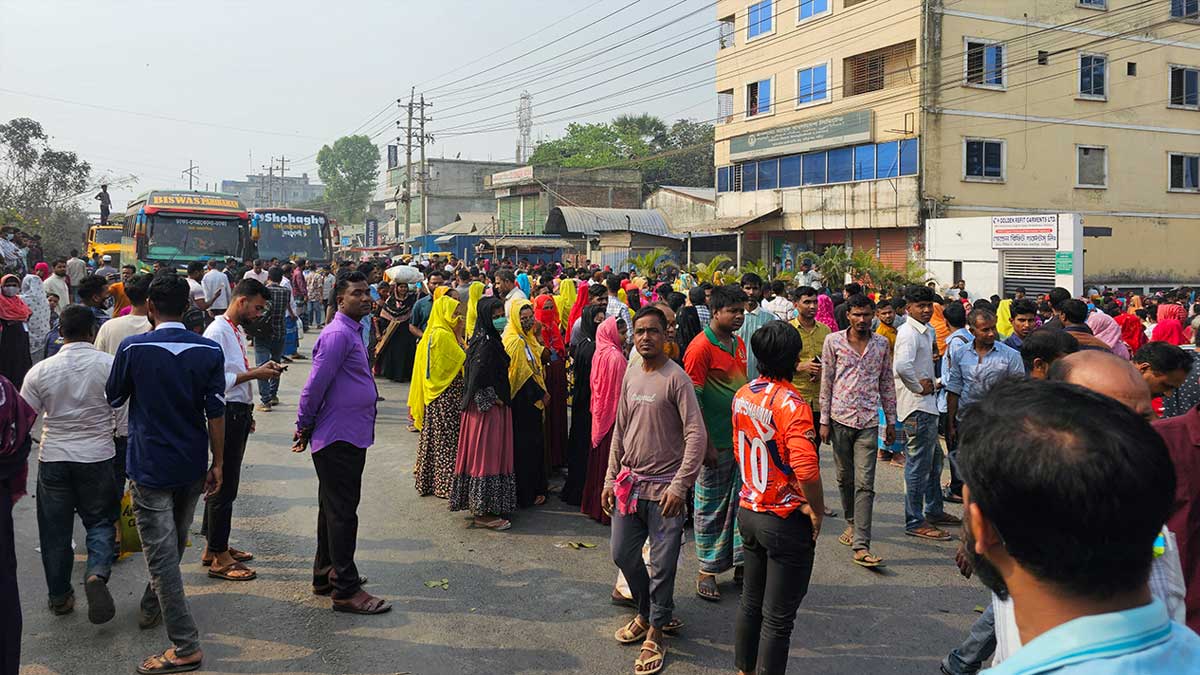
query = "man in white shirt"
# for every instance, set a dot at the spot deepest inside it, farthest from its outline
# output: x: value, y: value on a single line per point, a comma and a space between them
x: 250, y: 298
x: 57, y: 284
x: 75, y: 464
x: 195, y: 272
x: 76, y: 271
x: 916, y: 407
x: 507, y: 281
x: 257, y: 272
x: 108, y: 340
x: 216, y: 288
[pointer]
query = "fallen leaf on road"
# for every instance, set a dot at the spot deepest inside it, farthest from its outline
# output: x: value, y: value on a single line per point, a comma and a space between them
x: 443, y: 584
x: 574, y: 544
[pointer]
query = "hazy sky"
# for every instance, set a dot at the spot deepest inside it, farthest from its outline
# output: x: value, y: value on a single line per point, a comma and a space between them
x: 232, y: 84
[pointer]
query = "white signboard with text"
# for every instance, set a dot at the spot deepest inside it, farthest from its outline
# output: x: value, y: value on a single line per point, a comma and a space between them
x: 1025, y: 231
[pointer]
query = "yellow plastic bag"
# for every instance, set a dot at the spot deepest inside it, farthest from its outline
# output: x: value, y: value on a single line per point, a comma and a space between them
x: 131, y: 541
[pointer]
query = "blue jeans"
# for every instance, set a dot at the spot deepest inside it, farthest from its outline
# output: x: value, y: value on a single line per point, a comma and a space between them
x: 163, y: 518
x: 316, y: 313
x: 922, y: 470
x: 268, y: 350
x: 64, y: 489
x: 980, y: 645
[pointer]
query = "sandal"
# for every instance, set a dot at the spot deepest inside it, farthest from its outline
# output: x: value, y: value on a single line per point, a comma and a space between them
x: 227, y: 573
x: 539, y: 500
x: 362, y: 603
x: 161, y: 664
x: 929, y: 532
x: 327, y: 587
x: 706, y: 588
x: 672, y: 627
x: 867, y: 559
x: 847, y: 537
x: 654, y: 663
x: 631, y: 632
x: 497, y: 524
x: 239, y: 556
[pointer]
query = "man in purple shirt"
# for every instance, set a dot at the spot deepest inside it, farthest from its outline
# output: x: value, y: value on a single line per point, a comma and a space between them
x: 337, y: 419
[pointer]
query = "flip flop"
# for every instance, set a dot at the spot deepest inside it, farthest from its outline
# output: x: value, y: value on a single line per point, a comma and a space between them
x: 238, y: 556
x: 371, y: 605
x: 868, y: 560
x: 225, y: 572
x: 100, y: 601
x: 706, y: 588
x: 168, y: 666
x: 845, y: 539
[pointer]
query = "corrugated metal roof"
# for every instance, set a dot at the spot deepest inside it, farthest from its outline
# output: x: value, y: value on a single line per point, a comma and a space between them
x: 526, y: 243
x: 706, y: 194
x: 468, y: 222
x: 588, y: 221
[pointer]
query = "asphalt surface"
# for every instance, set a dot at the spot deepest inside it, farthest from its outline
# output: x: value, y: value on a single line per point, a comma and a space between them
x: 515, y: 602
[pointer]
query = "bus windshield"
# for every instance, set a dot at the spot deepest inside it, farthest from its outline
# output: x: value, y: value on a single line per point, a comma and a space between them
x: 283, y: 236
x: 107, y: 236
x: 179, y: 236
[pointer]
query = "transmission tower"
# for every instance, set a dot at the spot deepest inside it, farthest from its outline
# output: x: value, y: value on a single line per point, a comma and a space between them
x: 525, y: 125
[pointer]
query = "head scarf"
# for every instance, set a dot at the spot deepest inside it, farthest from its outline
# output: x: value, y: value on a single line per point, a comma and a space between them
x: 439, y: 292
x: 941, y: 328
x: 474, y: 294
x: 1170, y: 310
x: 439, y: 358
x: 14, y: 308
x: 1169, y: 330
x: 565, y: 301
x: 34, y: 295
x: 524, y: 352
x: 584, y: 352
x: 120, y: 299
x: 16, y: 419
x: 552, y: 336
x: 582, y: 300
x: 487, y: 364
x: 1104, y: 327
x: 523, y: 283
x: 42, y: 270
x: 1004, y: 318
x: 623, y: 297
x: 608, y: 368
x: 825, y: 312
x: 1135, y: 303
x: 1133, y: 333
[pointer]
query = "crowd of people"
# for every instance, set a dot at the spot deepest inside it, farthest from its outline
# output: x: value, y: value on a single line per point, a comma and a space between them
x: 662, y: 406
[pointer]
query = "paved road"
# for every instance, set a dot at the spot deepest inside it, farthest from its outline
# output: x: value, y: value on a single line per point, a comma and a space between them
x: 516, y: 603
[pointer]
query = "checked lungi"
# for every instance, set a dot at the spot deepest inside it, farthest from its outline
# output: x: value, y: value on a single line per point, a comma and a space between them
x: 718, y: 542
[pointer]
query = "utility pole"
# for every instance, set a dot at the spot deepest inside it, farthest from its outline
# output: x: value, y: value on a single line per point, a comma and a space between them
x: 424, y: 168
x: 270, y: 168
x: 282, y: 183
x: 408, y: 174
x: 190, y: 173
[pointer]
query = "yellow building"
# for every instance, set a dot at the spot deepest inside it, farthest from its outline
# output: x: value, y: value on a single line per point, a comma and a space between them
x: 853, y: 121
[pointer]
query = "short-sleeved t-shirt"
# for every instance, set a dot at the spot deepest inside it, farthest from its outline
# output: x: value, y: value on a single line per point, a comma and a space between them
x: 717, y: 373
x: 774, y: 428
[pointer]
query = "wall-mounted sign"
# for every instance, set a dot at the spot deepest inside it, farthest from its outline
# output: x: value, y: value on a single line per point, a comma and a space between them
x: 1064, y: 262
x: 1026, y: 231
x: 826, y: 132
x: 372, y: 232
x: 512, y: 176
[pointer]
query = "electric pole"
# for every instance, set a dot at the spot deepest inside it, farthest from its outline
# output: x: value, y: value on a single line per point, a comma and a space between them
x: 282, y: 182
x: 408, y: 174
x: 190, y: 173
x: 270, y: 182
x: 424, y: 168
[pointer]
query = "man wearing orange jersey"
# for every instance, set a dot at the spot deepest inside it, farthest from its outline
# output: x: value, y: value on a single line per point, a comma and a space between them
x: 781, y: 501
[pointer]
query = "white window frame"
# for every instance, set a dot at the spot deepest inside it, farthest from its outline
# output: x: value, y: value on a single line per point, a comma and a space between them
x: 1103, y: 7
x: 1079, y: 76
x: 1187, y: 191
x: 987, y: 42
x: 1079, y: 184
x: 1190, y: 18
x: 1003, y: 160
x: 815, y: 17
x: 1181, y: 106
x: 828, y: 84
x: 774, y: 23
x: 746, y: 99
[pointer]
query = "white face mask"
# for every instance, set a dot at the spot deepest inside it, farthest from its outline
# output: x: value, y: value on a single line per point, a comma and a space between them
x: 10, y: 291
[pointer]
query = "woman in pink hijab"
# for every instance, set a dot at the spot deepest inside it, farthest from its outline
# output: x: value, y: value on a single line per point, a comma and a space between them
x: 825, y: 312
x: 1105, y: 327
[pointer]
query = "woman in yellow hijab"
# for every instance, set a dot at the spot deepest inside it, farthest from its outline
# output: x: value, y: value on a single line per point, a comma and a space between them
x: 1004, y: 319
x: 565, y: 300
x: 474, y: 293
x: 435, y: 396
x: 526, y: 381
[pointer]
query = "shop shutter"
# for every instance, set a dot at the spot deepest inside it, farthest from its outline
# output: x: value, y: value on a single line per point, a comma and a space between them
x: 893, y: 247
x: 826, y: 237
x: 1032, y: 270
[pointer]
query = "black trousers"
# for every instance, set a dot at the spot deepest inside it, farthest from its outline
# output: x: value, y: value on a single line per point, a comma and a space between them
x: 779, y: 562
x: 339, y: 475
x: 218, y: 509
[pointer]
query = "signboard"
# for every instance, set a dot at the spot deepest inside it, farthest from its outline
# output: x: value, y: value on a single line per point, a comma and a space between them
x: 372, y: 232
x: 1032, y: 231
x: 826, y: 132
x: 1064, y: 262
x: 345, y: 241
x: 195, y: 200
x: 393, y: 156
x: 512, y: 176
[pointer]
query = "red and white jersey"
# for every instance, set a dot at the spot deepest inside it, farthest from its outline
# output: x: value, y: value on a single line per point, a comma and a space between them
x: 775, y: 445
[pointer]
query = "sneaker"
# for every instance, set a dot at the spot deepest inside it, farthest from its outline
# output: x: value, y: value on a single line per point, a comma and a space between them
x: 263, y: 407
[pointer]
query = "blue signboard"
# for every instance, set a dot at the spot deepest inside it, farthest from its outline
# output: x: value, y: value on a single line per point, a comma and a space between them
x: 345, y: 241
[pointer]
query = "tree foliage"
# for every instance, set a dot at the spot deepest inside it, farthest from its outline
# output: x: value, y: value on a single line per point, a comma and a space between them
x: 38, y: 185
x: 679, y: 154
x: 835, y: 263
x: 647, y: 265
x: 349, y: 170
x: 707, y: 271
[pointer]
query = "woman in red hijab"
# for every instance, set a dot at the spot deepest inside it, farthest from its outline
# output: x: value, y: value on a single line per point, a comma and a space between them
x: 581, y: 300
x: 15, y: 358
x: 546, y: 313
x: 1170, y: 331
x: 42, y: 270
x: 1133, y: 333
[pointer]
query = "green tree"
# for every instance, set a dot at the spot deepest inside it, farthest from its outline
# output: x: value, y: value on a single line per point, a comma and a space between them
x: 583, y: 146
x: 349, y: 170
x: 648, y: 264
x: 691, y: 161
x: 833, y: 264
x: 36, y: 179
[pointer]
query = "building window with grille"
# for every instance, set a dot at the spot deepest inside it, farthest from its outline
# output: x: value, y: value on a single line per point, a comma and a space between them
x: 1093, y: 77
x: 725, y: 31
x: 1185, y: 84
x: 1093, y: 4
x: 1185, y: 172
x: 983, y: 160
x: 723, y: 173
x: 725, y: 106
x: 812, y: 85
x: 879, y: 69
x: 1091, y: 169
x: 760, y: 20
x: 984, y: 66
x: 758, y: 98
x: 812, y: 9
x: 1188, y: 10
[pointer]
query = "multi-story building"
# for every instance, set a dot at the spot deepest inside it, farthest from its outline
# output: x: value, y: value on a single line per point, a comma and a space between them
x: 263, y: 190
x: 853, y: 121
x: 525, y: 196
x: 454, y: 186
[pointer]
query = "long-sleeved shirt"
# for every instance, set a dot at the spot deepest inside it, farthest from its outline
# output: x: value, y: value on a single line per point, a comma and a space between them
x: 812, y: 341
x: 854, y: 386
x: 1182, y: 437
x: 233, y: 348
x: 912, y: 361
x: 338, y: 400
x: 657, y: 410
x: 69, y: 388
x: 174, y: 381
x: 971, y: 375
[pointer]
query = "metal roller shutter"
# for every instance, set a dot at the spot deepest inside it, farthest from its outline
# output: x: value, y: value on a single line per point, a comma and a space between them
x: 1032, y: 270
x: 893, y: 247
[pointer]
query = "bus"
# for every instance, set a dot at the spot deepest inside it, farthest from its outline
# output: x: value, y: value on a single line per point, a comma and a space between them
x: 285, y: 233
x: 176, y: 227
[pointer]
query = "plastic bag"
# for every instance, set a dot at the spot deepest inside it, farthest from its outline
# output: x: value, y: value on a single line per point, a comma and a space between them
x: 131, y: 541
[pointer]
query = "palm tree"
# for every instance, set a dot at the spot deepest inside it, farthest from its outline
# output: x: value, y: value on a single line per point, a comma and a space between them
x: 650, y: 129
x: 706, y: 271
x: 833, y: 264
x: 647, y: 265
x: 758, y: 267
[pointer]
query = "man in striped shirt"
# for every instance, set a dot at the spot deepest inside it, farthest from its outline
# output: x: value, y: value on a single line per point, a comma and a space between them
x: 756, y: 317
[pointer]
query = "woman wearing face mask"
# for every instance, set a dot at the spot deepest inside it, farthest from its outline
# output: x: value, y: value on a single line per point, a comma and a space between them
x: 484, y: 480
x: 15, y: 359
x: 579, y: 441
x: 396, y: 349
x: 526, y: 380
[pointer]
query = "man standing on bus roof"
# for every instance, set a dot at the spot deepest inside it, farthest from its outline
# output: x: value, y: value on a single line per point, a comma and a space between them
x: 105, y: 204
